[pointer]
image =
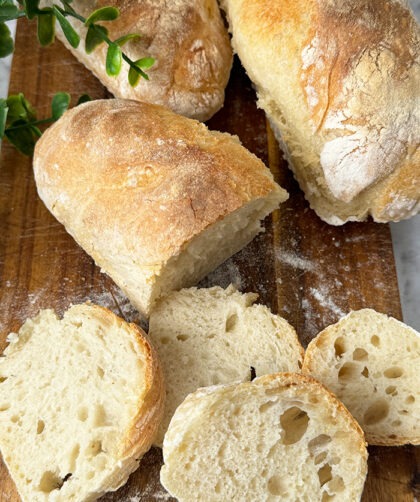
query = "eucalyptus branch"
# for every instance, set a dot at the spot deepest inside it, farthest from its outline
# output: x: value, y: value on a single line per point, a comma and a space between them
x: 96, y: 33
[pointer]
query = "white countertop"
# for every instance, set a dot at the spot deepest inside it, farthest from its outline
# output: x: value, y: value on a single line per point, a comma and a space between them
x: 405, y: 234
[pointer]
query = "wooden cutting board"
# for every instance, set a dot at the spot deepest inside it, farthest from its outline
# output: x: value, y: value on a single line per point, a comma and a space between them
x: 303, y: 269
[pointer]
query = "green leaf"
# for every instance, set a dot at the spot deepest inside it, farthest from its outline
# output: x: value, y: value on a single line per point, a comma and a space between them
x: 145, y: 63
x: 68, y: 30
x: 23, y: 138
x: 134, y: 74
x: 113, y: 60
x: 31, y: 8
x: 19, y: 108
x: 8, y: 10
x: 46, y: 29
x: 3, y: 116
x: 6, y: 41
x: 126, y: 38
x: 84, y: 98
x: 93, y: 38
x: 59, y: 104
x: 103, y: 14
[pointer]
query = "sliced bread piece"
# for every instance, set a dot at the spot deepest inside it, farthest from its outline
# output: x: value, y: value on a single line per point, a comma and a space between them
x: 371, y: 362
x: 80, y: 402
x: 280, y: 437
x: 212, y: 336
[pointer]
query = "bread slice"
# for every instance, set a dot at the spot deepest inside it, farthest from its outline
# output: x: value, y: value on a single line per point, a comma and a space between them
x: 186, y: 38
x: 156, y: 199
x: 80, y: 402
x: 212, y: 336
x: 371, y: 362
x: 280, y: 437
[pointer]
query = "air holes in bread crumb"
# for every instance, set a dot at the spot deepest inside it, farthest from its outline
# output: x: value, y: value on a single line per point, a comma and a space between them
x: 4, y: 407
x: 266, y: 406
x: 348, y: 371
x: 99, y: 416
x: 324, y: 474
x: 360, y: 354
x: 40, y: 427
x: 294, y: 422
x: 100, y: 372
x: 231, y: 323
x: 318, y: 443
x: 276, y: 486
x: 320, y: 458
x: 49, y: 482
x: 336, y: 484
x: 164, y: 340
x: 182, y: 338
x: 375, y: 341
x: 376, y: 412
x: 94, y: 448
x: 391, y: 389
x: 365, y: 372
x: 82, y: 413
x: 339, y: 347
x: 396, y: 423
x: 3, y: 379
x: 410, y: 399
x: 394, y: 372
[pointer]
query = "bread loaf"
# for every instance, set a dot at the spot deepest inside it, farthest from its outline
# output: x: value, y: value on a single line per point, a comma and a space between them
x: 339, y: 81
x: 213, y: 336
x: 80, y: 402
x: 279, y: 437
x: 188, y: 40
x: 156, y: 199
x: 371, y: 362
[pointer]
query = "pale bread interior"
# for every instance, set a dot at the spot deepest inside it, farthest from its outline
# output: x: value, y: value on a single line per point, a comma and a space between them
x: 279, y: 438
x: 212, y: 336
x: 371, y: 362
x: 69, y: 393
x: 200, y: 256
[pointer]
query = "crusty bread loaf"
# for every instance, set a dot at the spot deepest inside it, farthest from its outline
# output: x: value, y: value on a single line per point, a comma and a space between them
x: 371, y: 362
x: 339, y: 81
x: 156, y: 199
x: 215, y: 336
x: 279, y: 437
x: 80, y: 402
x: 188, y: 40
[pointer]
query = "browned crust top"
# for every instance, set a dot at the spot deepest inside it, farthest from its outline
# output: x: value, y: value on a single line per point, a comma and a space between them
x: 140, y: 180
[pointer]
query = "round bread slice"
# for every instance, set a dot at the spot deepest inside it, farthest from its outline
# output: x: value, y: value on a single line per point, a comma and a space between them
x: 214, y: 336
x: 80, y: 402
x: 371, y: 362
x: 280, y: 437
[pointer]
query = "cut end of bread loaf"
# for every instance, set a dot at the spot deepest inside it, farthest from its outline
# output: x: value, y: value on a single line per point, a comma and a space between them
x: 371, y: 362
x: 215, y: 336
x: 280, y: 437
x: 80, y: 402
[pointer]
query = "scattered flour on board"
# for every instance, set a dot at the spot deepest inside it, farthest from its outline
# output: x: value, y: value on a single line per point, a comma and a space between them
x: 295, y: 261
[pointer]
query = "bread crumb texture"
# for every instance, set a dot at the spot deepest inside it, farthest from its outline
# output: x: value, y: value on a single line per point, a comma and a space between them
x: 371, y: 362
x: 280, y: 437
x: 215, y: 336
x: 80, y: 401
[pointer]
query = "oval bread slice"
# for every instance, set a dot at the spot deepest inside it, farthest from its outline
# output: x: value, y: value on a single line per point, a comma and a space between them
x: 216, y: 336
x: 80, y: 402
x: 371, y: 362
x: 280, y: 437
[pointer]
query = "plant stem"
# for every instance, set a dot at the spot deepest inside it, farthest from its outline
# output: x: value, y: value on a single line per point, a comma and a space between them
x: 29, y: 124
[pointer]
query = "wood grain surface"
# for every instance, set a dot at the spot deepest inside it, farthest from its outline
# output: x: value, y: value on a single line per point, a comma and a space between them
x: 307, y: 271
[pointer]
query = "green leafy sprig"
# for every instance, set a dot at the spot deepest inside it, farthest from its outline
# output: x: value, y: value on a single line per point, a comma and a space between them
x: 96, y: 35
x: 19, y: 123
